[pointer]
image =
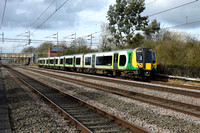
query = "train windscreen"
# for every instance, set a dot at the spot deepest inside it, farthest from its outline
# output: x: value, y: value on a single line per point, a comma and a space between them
x: 148, y: 57
x: 139, y: 56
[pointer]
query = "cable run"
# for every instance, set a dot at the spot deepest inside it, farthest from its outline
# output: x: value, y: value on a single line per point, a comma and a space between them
x: 173, y: 8
x: 3, y: 13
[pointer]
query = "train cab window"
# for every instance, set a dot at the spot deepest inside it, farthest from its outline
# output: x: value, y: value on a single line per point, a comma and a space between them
x: 78, y: 61
x: 122, y: 60
x: 69, y: 61
x: 148, y: 57
x: 154, y: 58
x: 139, y: 56
x: 56, y: 61
x: 61, y: 61
x: 104, y: 60
x: 87, y: 60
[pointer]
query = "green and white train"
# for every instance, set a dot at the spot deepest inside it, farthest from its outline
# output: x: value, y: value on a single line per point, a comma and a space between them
x: 138, y: 62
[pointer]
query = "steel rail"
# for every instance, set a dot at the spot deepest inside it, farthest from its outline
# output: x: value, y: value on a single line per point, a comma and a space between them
x: 135, y: 84
x: 133, y: 95
x: 74, y: 121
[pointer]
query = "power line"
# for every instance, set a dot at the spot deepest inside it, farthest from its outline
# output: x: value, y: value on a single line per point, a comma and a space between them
x: 50, y: 16
x: 3, y: 13
x: 150, y: 2
x: 194, y: 22
x: 43, y: 12
x: 173, y: 8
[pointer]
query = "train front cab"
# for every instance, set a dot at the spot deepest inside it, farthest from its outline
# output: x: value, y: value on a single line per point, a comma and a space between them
x: 145, y: 62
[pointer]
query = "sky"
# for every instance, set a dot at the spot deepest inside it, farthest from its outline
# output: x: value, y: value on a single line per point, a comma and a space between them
x: 83, y: 17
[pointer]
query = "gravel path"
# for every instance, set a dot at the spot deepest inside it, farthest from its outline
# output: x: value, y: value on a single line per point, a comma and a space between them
x: 30, y: 114
x: 151, y: 117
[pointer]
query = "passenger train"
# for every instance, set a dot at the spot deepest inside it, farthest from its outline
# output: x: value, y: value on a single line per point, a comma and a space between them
x: 134, y: 63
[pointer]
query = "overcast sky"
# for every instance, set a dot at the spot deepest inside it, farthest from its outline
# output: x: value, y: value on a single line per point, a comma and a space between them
x: 83, y: 17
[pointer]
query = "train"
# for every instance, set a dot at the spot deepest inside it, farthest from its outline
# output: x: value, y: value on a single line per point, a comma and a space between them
x: 133, y: 63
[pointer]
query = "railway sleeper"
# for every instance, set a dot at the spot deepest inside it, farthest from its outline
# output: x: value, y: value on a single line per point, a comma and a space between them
x: 77, y: 116
x: 78, y: 110
x: 100, y: 122
x: 94, y: 119
x: 114, y: 131
x: 105, y: 126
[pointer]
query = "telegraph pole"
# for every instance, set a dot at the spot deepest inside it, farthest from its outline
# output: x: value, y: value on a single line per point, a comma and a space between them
x: 2, y: 43
x: 91, y: 36
x: 29, y: 37
x: 57, y: 37
x: 2, y: 40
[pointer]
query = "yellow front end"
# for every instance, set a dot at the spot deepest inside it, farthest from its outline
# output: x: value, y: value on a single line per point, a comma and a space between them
x: 139, y: 63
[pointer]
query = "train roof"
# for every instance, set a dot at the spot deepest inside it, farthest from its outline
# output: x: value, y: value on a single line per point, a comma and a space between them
x: 121, y: 50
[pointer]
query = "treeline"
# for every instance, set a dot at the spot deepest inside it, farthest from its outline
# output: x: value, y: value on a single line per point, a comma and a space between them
x: 128, y: 28
x: 177, y: 53
x: 176, y: 48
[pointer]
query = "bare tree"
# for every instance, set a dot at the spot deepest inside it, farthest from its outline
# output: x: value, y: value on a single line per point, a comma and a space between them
x: 105, y: 43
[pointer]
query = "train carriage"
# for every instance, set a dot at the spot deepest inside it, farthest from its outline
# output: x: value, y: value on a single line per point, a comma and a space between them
x: 138, y: 62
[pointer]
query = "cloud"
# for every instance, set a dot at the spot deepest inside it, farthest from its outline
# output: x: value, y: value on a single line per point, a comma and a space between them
x: 177, y: 16
x: 22, y: 13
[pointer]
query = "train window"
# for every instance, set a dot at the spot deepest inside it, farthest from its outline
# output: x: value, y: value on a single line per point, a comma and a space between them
x: 154, y: 58
x: 104, y: 60
x: 51, y: 61
x: 69, y: 61
x: 139, y: 57
x: 122, y: 60
x: 56, y: 61
x: 87, y: 60
x: 47, y: 61
x: 78, y: 61
x: 148, y: 57
x: 61, y: 61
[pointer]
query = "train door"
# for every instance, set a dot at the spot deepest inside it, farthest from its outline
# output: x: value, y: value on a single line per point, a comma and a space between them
x: 147, y: 59
x: 115, y: 62
x: 93, y: 61
x: 129, y: 60
x: 74, y: 61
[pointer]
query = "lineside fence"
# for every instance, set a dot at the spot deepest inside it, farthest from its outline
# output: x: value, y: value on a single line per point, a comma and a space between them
x: 183, y: 71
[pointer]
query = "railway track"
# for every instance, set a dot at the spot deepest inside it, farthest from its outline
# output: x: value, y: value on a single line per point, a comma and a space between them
x: 162, y: 102
x: 85, y: 117
x: 135, y: 84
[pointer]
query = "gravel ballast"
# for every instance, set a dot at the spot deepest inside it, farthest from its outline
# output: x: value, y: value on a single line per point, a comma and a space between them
x: 28, y: 113
x: 148, y: 116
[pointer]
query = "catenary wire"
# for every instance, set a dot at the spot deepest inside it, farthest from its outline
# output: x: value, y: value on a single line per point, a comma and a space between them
x: 194, y: 22
x: 3, y: 13
x: 173, y: 8
x: 50, y: 16
x: 43, y: 12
